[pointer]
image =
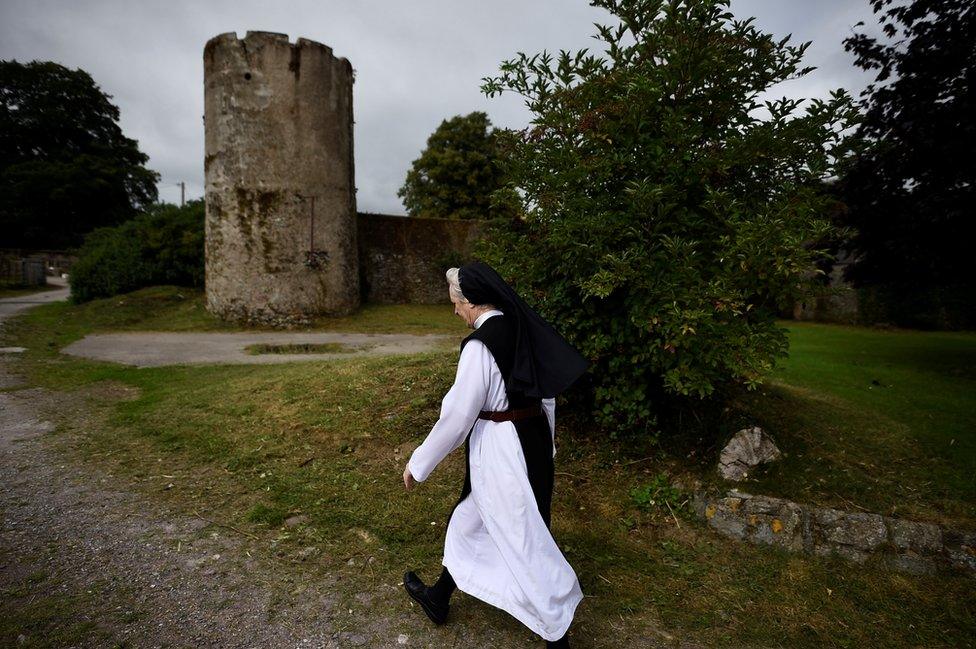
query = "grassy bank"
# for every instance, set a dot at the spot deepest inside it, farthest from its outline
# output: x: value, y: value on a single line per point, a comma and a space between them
x: 172, y: 308
x: 256, y: 445
x: 875, y: 420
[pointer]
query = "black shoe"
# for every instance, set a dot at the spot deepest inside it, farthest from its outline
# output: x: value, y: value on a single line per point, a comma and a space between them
x: 436, y: 611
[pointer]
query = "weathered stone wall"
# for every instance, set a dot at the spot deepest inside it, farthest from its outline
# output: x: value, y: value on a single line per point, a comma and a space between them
x: 402, y: 260
x: 280, y: 195
x: 18, y: 266
x: 838, y: 304
x: 909, y: 546
x: 22, y: 272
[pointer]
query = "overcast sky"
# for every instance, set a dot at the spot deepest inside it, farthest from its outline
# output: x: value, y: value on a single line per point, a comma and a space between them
x: 417, y: 62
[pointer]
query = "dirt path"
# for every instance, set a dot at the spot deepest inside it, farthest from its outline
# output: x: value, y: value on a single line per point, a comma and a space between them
x: 12, y: 305
x: 121, y: 569
x: 153, y: 349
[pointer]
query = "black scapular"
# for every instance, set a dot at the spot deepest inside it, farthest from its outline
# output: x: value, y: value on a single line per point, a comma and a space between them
x: 534, y: 434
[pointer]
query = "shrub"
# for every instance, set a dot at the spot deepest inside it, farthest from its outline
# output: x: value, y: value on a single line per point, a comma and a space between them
x: 163, y: 245
x: 666, y: 220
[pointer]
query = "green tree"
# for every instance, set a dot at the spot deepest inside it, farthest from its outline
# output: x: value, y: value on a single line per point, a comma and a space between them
x: 912, y: 195
x: 457, y: 174
x: 668, y: 211
x: 65, y: 166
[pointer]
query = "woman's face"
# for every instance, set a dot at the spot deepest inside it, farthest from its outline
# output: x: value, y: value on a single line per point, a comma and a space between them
x: 466, y: 311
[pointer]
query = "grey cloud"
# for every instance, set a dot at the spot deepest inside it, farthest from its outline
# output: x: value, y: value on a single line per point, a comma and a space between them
x: 416, y: 63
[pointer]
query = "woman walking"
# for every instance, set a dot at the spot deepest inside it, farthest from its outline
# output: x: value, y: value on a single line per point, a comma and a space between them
x: 498, y: 546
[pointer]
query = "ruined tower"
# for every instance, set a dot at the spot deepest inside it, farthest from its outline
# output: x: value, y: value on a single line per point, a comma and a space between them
x: 280, y: 186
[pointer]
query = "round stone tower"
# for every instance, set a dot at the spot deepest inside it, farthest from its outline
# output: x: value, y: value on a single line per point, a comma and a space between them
x: 280, y: 185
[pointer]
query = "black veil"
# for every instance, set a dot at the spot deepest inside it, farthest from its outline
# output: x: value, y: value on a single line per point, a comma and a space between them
x: 545, y: 363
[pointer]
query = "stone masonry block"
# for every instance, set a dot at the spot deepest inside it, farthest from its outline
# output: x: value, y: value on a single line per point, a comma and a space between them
x: 855, y: 530
x: 922, y: 538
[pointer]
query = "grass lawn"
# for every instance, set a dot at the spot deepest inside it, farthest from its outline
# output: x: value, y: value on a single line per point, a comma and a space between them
x: 256, y: 444
x: 878, y: 420
x: 171, y: 308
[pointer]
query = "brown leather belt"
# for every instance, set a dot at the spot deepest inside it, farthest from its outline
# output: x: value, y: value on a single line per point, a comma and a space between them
x: 509, y: 415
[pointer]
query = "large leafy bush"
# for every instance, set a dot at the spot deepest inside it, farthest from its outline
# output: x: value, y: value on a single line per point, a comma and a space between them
x: 163, y: 245
x: 669, y: 210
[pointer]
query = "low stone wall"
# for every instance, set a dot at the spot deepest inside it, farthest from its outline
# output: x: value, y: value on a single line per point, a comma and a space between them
x: 54, y: 262
x: 30, y: 267
x: 918, y: 548
x: 402, y: 260
x: 17, y: 271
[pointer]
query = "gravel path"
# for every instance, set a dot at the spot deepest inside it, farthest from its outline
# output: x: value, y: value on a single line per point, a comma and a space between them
x: 135, y: 573
x: 12, y: 305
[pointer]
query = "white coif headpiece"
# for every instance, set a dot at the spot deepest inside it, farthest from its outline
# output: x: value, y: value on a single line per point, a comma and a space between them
x: 454, y: 285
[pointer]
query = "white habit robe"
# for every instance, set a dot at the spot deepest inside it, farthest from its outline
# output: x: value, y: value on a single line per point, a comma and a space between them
x: 497, y: 546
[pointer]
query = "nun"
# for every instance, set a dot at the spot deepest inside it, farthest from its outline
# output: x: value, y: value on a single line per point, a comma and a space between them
x: 498, y: 546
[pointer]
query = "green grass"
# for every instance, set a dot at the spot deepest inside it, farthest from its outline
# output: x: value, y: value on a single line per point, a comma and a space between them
x: 256, y: 444
x: 879, y: 420
x: 172, y: 308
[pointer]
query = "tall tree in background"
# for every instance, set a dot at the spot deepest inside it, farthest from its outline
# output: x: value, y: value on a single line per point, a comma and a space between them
x: 456, y: 174
x: 912, y: 195
x: 65, y: 166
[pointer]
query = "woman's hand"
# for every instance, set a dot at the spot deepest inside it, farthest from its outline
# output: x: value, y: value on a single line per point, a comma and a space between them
x: 408, y: 480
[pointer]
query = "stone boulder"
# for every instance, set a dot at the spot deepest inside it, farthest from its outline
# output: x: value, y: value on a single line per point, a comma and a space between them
x: 748, y: 448
x: 853, y: 535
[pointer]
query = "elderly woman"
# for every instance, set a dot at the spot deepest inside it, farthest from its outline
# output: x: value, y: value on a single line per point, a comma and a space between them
x: 498, y: 546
